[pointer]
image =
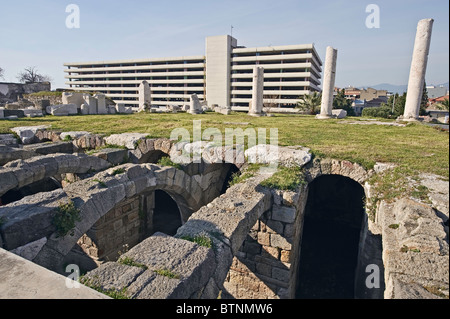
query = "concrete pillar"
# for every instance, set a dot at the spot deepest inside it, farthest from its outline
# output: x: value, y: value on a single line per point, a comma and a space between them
x: 145, y: 99
x: 418, y: 69
x: 256, y: 106
x: 329, y: 76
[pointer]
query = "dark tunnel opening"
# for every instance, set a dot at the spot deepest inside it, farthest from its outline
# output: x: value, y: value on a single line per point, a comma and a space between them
x: 45, y: 185
x: 232, y: 171
x: 166, y: 214
x: 330, y: 240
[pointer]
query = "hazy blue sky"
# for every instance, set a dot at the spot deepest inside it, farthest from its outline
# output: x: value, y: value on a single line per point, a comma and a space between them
x: 34, y: 33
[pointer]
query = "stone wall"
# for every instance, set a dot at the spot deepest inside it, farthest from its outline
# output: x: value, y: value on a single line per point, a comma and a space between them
x: 54, y: 99
x: 266, y: 264
x: 113, y: 232
x: 10, y: 92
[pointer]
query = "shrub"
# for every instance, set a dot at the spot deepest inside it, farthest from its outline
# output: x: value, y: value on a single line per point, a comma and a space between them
x: 382, y: 111
x: 64, y: 220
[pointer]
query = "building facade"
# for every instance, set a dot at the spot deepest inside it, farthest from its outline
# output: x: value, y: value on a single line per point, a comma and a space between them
x: 223, y: 76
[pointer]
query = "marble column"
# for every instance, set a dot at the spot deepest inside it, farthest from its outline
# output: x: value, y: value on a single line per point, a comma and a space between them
x: 145, y: 100
x: 195, y: 106
x: 256, y: 106
x: 329, y: 76
x: 418, y: 69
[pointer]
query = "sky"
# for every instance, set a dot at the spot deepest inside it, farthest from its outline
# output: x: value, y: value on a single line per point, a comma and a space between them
x: 34, y: 33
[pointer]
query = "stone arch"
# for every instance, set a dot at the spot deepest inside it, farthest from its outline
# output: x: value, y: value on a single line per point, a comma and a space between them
x: 45, y: 185
x: 95, y: 199
x: 20, y: 173
x: 319, y: 167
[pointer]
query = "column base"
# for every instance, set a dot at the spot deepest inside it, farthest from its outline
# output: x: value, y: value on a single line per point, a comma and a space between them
x: 257, y: 114
x: 409, y: 119
x: 324, y: 116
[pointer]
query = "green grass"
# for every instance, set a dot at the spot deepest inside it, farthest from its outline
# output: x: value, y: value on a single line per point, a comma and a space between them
x: 285, y: 179
x: 416, y: 147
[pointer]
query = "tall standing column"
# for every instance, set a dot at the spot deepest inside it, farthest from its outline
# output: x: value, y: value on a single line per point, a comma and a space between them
x: 329, y: 76
x: 145, y: 99
x: 418, y: 69
x: 256, y: 106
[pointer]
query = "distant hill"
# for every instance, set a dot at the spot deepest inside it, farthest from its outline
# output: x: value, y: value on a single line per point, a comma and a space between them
x: 397, y: 88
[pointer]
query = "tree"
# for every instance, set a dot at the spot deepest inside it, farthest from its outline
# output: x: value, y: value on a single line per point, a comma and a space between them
x: 1, y: 73
x: 442, y: 105
x: 310, y: 102
x: 31, y: 75
x: 396, y: 103
x: 424, y: 101
x: 341, y: 102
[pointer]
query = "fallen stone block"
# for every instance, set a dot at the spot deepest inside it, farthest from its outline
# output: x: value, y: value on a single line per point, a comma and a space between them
x: 62, y: 109
x: 33, y: 113
x: 339, y: 113
x: 27, y: 133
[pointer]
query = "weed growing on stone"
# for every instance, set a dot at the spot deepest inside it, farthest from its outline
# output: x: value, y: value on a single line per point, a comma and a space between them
x: 118, y: 171
x: 167, y: 273
x: 393, y: 184
x: 67, y: 138
x: 130, y: 262
x: 101, y: 183
x: 64, y: 220
x: 113, y: 293
x: 201, y: 240
x: 166, y: 161
x: 239, y: 177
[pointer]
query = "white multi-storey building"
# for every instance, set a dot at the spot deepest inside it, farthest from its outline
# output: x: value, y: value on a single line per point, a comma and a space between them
x: 222, y: 76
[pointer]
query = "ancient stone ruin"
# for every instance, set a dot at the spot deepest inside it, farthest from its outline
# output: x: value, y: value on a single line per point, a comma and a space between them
x: 143, y: 217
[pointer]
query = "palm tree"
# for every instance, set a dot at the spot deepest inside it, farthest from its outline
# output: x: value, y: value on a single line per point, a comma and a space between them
x: 442, y: 105
x: 310, y: 102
